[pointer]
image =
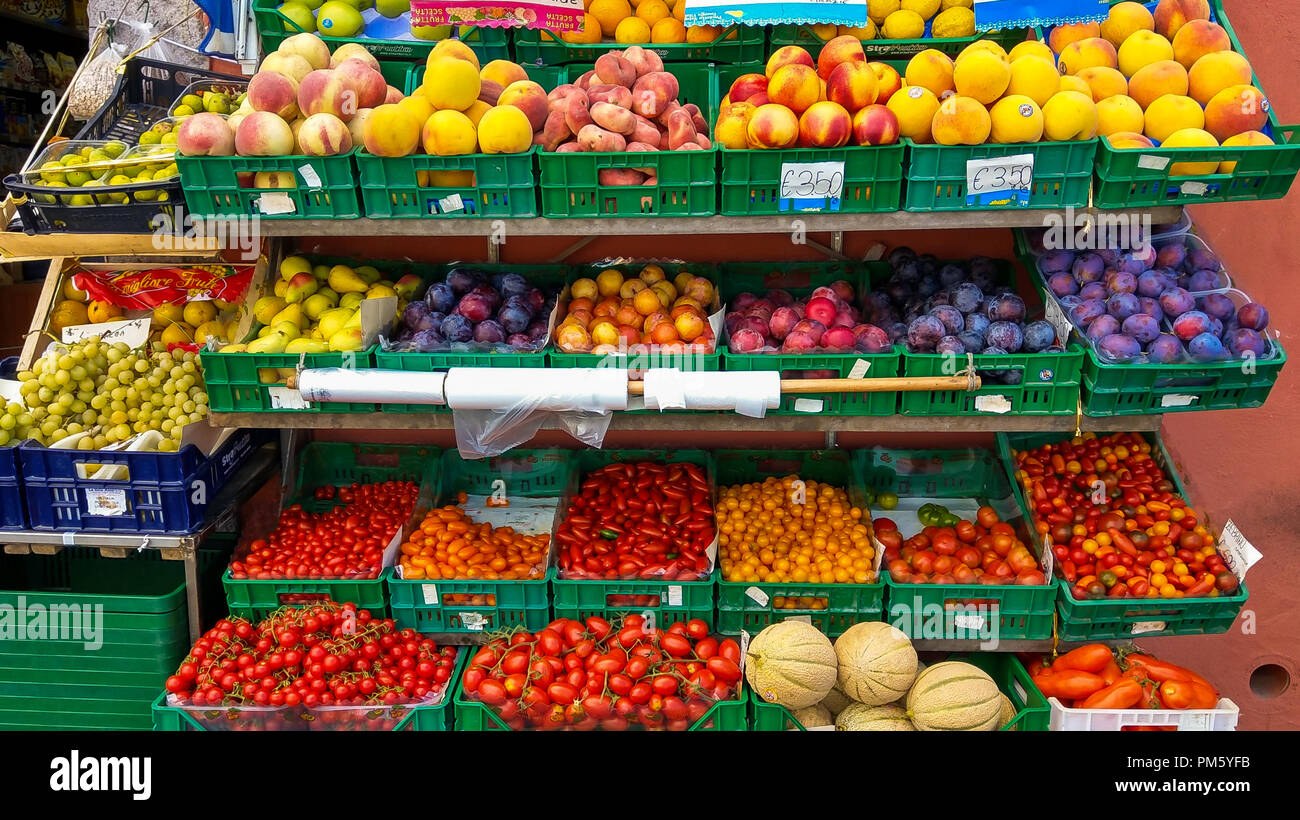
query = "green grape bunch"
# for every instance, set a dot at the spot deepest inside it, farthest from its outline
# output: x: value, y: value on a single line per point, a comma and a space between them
x: 105, y: 394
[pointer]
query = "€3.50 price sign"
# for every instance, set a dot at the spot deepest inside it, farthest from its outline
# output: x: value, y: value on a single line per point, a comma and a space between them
x: 1005, y: 182
x: 811, y: 186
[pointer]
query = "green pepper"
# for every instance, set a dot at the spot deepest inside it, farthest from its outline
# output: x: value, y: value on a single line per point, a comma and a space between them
x: 608, y: 535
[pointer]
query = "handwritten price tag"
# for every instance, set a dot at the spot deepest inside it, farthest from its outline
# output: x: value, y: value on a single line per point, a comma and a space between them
x: 1000, y: 181
x: 811, y: 186
x: 134, y: 332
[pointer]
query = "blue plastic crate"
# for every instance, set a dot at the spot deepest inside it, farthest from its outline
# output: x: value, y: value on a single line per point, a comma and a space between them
x: 11, y: 491
x: 163, y: 492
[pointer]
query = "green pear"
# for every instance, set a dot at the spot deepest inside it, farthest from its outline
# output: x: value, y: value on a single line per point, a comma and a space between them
x: 332, y: 321
x: 265, y: 309
x: 315, y: 305
x: 292, y: 313
x: 300, y: 287
x: 368, y: 274
x: 346, y: 340
x: 288, y: 329
x: 351, y: 300
x: 392, y: 8
x: 270, y: 343
x: 306, y: 346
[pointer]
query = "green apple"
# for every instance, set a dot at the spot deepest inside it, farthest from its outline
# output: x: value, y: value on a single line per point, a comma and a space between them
x: 337, y: 18
x: 301, y: 17
x: 431, y: 32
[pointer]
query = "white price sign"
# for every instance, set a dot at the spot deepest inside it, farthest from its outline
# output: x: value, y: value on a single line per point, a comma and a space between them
x: 1058, y: 320
x: 1238, y: 553
x: 134, y: 332
x: 811, y: 186
x: 1000, y: 181
x: 282, y: 398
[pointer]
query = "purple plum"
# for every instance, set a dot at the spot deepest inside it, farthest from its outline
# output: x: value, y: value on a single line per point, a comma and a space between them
x: 489, y: 331
x: 536, y: 299
x: 1191, y: 324
x: 512, y: 284
x: 951, y: 275
x: 1243, y: 341
x: 440, y: 297
x: 1151, y: 307
x: 1122, y: 305
x: 1088, y: 268
x: 1153, y: 283
x: 1203, y: 259
x: 1176, y: 302
x: 967, y: 297
x: 971, y: 340
x: 427, y: 341
x: 1205, y: 279
x: 897, y: 332
x: 515, y: 315
x: 1119, y: 347
x: 489, y: 294
x: 462, y: 281
x: 1207, y: 347
x: 474, y: 307
x: 521, y: 341
x: 457, y: 328
x: 537, y: 331
x: 1217, y: 306
x: 1005, y: 335
x: 1172, y: 255
x: 1253, y: 315
x: 870, y: 339
x: 1056, y: 262
x: 953, y: 321
x: 1063, y: 284
x: 1039, y: 336
x: 1165, y: 349
x: 1122, y: 282
x: 977, y: 323
x: 1141, y: 327
x: 1129, y: 264
x: 1068, y: 302
x: 952, y: 345
x: 925, y: 332
x: 1101, y: 327
x: 1083, y: 313
x: 1007, y: 308
x: 1109, y: 256
x: 1093, y: 290
x: 415, y: 314
x: 927, y: 287
x: 900, y: 255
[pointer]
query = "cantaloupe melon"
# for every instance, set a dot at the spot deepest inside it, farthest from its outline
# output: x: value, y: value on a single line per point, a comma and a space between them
x: 1008, y: 713
x: 815, y: 715
x: 835, y: 700
x: 954, y: 697
x: 877, y: 663
x: 790, y: 663
x: 859, y: 717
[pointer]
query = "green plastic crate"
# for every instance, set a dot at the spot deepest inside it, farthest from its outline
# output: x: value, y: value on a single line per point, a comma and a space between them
x: 274, y: 27
x: 737, y: 44
x: 676, y: 600
x: 212, y: 186
x: 1010, y: 612
x: 142, y: 634
x: 504, y: 185
x: 881, y: 49
x: 1049, y: 383
x: 1117, y: 619
x: 936, y: 174
x: 435, y: 718
x: 1139, y: 389
x: 570, y: 185
x: 1262, y: 172
x: 750, y: 181
x: 741, y: 605
x: 423, y: 605
x: 323, y: 464
x: 550, y: 278
x: 723, y: 716
x: 800, y: 279
x: 1032, y: 709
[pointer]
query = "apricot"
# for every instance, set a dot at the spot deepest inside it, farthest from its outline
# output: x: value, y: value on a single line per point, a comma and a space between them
x: 1035, y: 78
x: 1142, y: 49
x: 504, y: 129
x: 451, y: 83
x: 1191, y: 138
x: 1123, y: 20
x: 1081, y: 54
x: 1172, y: 113
x: 961, y: 121
x: 931, y: 69
x: 1063, y: 36
x: 391, y: 132
x: 1235, y: 110
x: 981, y: 75
x: 1104, y: 82
x: 1247, y: 139
x: 1171, y: 15
x: 1215, y: 72
x: 1119, y: 114
x: 1016, y: 119
x: 528, y: 97
x: 1069, y: 116
x: 1156, y: 80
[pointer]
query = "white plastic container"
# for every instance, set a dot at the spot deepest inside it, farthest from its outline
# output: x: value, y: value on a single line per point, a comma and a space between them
x: 1223, y: 718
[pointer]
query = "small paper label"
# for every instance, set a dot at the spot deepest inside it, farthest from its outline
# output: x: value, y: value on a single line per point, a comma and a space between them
x: 282, y: 398
x: 273, y: 203
x: 1193, y: 188
x: 1195, y: 722
x: 1049, y: 563
x: 1238, y: 554
x: 970, y: 622
x: 1000, y: 181
x: 430, y: 593
x: 808, y: 405
x: 1058, y: 320
x: 309, y: 176
x: 133, y: 332
x: 807, y: 619
x: 674, y: 595
x: 993, y: 404
x: 744, y: 648
x: 1152, y: 162
x: 758, y: 596
x: 859, y: 369
x: 811, y: 186
x: 1146, y: 627
x: 1178, y: 400
x: 106, y: 502
x: 473, y: 621
x: 451, y: 203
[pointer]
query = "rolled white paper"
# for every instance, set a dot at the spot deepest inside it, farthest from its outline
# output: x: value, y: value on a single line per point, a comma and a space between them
x: 596, y: 389
x: 379, y: 386
x: 748, y: 393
